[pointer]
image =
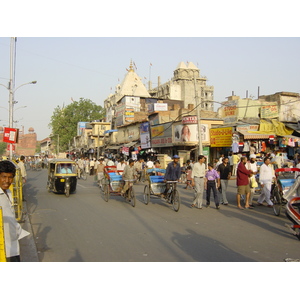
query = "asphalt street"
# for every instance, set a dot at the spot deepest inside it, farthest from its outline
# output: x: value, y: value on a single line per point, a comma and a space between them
x: 85, y: 228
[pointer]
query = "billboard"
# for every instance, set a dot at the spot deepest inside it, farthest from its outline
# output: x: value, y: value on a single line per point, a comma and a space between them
x: 221, y: 137
x: 145, y: 135
x: 185, y: 133
x: 161, y: 135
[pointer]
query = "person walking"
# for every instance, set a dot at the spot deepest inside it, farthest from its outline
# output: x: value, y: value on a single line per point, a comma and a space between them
x: 100, y: 172
x: 251, y: 165
x: 92, y: 165
x: 128, y: 174
x: 266, y: 175
x: 22, y: 168
x: 235, y: 161
x: 224, y: 171
x: 12, y: 229
x: 198, y: 174
x: 242, y: 181
x: 212, y: 178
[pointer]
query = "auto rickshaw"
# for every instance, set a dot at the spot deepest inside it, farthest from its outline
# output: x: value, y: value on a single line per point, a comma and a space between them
x: 62, y: 176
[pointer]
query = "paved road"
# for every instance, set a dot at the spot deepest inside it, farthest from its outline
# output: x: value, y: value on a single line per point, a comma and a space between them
x: 84, y: 227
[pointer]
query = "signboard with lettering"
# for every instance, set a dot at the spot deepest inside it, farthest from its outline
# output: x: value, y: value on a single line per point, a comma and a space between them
x: 10, y: 135
x: 269, y: 110
x: 161, y: 135
x: 247, y: 127
x: 221, y: 137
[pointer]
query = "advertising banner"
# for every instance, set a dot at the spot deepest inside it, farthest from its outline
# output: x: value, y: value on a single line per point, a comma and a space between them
x: 189, y: 133
x: 221, y: 137
x: 161, y: 135
x: 145, y: 135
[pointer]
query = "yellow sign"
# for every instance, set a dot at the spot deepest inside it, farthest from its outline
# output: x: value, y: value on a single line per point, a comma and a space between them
x: 221, y: 137
x: 2, y: 244
x: 157, y: 131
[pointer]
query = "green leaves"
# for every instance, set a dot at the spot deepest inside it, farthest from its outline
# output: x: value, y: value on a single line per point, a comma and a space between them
x: 64, y: 120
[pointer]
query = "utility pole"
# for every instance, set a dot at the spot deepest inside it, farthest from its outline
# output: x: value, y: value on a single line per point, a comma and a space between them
x: 198, y: 107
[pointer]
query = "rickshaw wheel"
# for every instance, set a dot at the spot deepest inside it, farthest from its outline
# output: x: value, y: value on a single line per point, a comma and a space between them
x: 276, y: 199
x: 175, y: 200
x: 131, y: 196
x: 106, y: 192
x: 146, y: 195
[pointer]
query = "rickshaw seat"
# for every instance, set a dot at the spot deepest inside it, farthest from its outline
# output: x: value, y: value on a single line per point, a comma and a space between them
x: 287, y: 182
x: 115, y: 177
x: 156, y: 179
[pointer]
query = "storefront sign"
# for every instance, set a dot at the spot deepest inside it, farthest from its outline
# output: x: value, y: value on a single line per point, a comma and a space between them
x: 221, y: 137
x: 269, y: 110
x: 125, y: 150
x: 10, y: 135
x: 190, y: 120
x: 246, y: 128
x: 161, y: 135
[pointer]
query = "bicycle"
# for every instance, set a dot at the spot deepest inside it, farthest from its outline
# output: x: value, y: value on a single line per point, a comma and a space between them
x: 82, y: 174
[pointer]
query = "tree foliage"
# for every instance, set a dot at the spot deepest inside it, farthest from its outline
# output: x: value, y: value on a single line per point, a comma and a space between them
x: 65, y: 119
x: 2, y: 148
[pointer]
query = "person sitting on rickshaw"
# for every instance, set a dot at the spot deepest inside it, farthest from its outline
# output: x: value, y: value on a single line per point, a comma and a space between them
x: 66, y: 169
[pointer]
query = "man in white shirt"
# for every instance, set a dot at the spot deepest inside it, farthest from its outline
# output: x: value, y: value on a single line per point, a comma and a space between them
x: 121, y: 166
x: 12, y: 229
x: 251, y: 165
x: 198, y: 174
x: 266, y: 175
x: 149, y: 164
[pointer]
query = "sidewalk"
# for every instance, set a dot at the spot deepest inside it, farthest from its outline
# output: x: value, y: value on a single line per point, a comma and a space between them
x: 28, y: 251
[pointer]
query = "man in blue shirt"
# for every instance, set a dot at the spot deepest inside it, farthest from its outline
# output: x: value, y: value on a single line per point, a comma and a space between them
x: 173, y: 172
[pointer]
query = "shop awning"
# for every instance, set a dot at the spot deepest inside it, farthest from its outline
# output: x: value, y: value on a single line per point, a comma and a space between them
x: 272, y: 128
x: 130, y: 144
x: 253, y: 136
x: 113, y: 147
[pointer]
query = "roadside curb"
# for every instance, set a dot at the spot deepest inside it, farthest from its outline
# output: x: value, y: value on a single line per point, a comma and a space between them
x: 28, y: 250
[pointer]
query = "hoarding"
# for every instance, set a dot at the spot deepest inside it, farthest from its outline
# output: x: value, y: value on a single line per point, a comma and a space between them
x: 145, y: 135
x: 221, y: 137
x: 10, y: 135
x: 189, y: 133
x: 161, y: 135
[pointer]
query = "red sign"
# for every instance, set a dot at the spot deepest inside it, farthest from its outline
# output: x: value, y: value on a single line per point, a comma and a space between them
x: 13, y: 147
x: 10, y: 135
x: 189, y: 120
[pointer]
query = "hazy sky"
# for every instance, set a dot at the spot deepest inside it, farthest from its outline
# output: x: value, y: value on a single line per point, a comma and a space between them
x: 92, y: 67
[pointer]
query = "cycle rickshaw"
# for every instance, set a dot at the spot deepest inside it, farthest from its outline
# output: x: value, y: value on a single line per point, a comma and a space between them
x: 62, y: 176
x: 114, y: 183
x: 284, y: 179
x: 156, y: 186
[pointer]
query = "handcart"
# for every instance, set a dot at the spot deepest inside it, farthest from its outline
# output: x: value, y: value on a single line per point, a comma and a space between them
x: 114, y: 183
x: 156, y: 186
x: 284, y: 179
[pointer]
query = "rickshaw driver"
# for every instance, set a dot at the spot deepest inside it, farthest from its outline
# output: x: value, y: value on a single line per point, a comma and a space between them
x: 66, y: 169
x: 128, y: 174
x: 173, y: 173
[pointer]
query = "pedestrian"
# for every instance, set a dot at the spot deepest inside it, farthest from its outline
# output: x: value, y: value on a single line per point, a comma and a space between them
x: 198, y: 174
x: 12, y: 229
x: 266, y: 175
x: 225, y: 174
x: 189, y: 177
x: 92, y: 166
x: 230, y: 161
x: 22, y: 168
x: 121, y: 166
x: 235, y: 161
x: 242, y: 181
x: 251, y: 165
x: 100, y: 172
x: 149, y: 164
x: 183, y: 173
x: 212, y: 179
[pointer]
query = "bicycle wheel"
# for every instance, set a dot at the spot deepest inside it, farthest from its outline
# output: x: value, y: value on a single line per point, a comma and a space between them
x: 146, y: 194
x: 175, y: 200
x: 131, y: 196
x: 276, y: 199
x: 106, y: 192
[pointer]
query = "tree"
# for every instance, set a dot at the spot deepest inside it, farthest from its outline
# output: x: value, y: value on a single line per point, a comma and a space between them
x: 3, y: 147
x: 65, y: 119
